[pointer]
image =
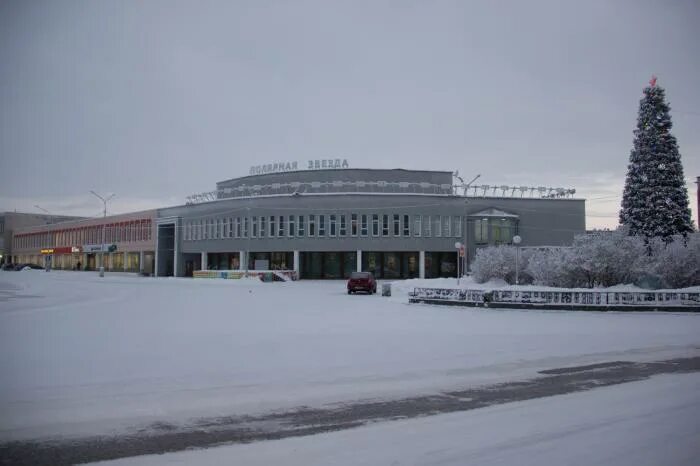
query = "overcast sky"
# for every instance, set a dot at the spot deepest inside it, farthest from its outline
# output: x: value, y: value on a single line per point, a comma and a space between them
x: 155, y: 100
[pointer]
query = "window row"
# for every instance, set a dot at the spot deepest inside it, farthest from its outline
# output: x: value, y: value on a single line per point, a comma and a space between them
x: 325, y: 225
x: 132, y: 231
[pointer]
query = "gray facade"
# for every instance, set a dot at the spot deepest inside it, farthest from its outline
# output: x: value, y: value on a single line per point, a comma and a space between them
x: 413, y: 230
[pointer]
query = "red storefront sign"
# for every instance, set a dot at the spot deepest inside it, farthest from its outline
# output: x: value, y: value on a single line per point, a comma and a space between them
x: 62, y: 250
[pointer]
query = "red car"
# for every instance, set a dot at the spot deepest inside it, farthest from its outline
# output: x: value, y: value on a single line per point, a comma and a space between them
x: 362, y: 281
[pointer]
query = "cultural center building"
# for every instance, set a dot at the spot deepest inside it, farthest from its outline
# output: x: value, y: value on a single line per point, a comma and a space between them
x: 322, y: 219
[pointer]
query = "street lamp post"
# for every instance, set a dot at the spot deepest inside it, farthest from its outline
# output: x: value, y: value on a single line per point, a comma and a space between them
x: 465, y: 260
x: 516, y: 240
x: 102, y: 246
x: 249, y: 230
x: 47, y: 259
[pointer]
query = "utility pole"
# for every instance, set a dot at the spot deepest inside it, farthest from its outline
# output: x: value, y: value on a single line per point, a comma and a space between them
x: 47, y: 258
x: 102, y: 246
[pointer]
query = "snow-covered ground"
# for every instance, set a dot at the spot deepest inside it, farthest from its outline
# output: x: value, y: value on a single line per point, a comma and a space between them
x: 84, y: 355
x: 649, y: 423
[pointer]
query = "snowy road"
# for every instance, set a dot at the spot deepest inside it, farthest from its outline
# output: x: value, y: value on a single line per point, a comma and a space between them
x: 304, y: 421
x: 80, y: 355
x: 650, y: 423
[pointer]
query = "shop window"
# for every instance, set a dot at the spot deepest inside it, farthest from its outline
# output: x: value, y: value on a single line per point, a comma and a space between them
x: 301, y: 227
x: 375, y: 225
x: 392, y: 265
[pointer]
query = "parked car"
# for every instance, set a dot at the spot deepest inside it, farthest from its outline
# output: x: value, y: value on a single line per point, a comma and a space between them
x: 27, y: 266
x: 9, y: 266
x: 362, y: 281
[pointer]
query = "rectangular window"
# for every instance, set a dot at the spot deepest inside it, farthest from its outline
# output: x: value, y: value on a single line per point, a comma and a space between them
x: 273, y: 226
x: 332, y: 223
x: 255, y: 227
x: 446, y: 226
x: 406, y: 226
x: 301, y: 229
x: 397, y: 226
x: 312, y: 225
x: 481, y: 232
x: 281, y: 227
x: 245, y: 226
x: 457, y: 226
x: 263, y: 226
x: 205, y: 234
x: 427, y: 231
x: 292, y: 230
x: 363, y: 225
x: 375, y: 224
x: 343, y: 230
x: 353, y: 224
x: 322, y: 225
x: 437, y: 223
x: 238, y: 227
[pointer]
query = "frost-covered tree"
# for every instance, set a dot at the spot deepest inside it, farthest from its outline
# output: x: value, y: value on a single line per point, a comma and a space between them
x: 499, y: 262
x: 546, y: 267
x: 655, y: 199
x: 606, y: 260
x: 678, y: 264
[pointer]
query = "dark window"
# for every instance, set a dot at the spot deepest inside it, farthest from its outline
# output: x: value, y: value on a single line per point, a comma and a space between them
x: 343, y: 230
x: 300, y: 230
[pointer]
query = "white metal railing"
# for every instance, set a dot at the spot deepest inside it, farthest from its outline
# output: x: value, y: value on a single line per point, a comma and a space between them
x: 580, y: 298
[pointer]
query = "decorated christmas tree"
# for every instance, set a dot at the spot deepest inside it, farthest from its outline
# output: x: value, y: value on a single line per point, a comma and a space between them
x: 655, y: 199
